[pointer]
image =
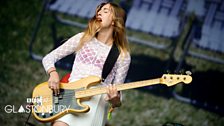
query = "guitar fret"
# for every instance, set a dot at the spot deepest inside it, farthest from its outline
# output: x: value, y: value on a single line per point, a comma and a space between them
x: 101, y: 90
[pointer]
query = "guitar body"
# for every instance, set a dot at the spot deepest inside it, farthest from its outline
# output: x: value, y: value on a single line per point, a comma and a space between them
x: 47, y: 107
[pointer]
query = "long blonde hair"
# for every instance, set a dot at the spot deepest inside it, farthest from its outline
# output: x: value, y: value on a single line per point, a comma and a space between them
x: 119, y: 32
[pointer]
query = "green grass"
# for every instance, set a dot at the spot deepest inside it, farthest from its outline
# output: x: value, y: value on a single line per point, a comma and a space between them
x: 144, y: 109
x: 19, y: 74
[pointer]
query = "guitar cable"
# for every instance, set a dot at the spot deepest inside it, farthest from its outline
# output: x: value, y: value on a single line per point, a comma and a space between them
x: 27, y: 120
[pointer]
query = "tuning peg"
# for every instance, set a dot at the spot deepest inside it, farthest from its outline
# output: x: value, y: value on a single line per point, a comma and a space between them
x: 176, y: 72
x: 168, y: 71
x: 181, y: 71
x: 188, y: 73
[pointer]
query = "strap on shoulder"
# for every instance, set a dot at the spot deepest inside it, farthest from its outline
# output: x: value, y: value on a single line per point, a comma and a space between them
x: 110, y: 61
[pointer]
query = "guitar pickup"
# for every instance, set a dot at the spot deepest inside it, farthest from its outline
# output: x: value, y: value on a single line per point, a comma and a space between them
x: 56, y: 100
x: 60, y: 96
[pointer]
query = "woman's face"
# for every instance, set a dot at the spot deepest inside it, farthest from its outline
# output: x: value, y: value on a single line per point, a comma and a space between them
x: 105, y: 16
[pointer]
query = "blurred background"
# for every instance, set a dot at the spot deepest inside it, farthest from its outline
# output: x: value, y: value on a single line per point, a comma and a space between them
x: 166, y: 37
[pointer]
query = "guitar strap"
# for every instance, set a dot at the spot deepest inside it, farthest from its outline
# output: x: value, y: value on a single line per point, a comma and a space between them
x: 110, y: 61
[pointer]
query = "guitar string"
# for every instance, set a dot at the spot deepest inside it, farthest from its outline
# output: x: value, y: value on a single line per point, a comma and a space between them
x: 68, y: 95
x: 73, y: 93
x: 84, y: 90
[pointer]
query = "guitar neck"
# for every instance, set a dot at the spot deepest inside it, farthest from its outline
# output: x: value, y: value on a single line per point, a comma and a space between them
x: 120, y: 87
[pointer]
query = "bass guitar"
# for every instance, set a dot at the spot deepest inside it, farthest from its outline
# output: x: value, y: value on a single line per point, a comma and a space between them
x: 47, y: 107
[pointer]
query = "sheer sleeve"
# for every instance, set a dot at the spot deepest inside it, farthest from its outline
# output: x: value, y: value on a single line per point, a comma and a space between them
x: 121, y: 69
x: 65, y: 49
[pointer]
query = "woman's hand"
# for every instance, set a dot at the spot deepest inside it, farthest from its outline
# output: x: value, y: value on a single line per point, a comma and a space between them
x: 113, y: 96
x: 53, y: 82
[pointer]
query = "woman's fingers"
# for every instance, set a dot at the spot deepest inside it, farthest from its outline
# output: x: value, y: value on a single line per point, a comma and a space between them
x: 113, y: 96
x: 54, y: 86
x: 112, y: 91
x: 53, y: 82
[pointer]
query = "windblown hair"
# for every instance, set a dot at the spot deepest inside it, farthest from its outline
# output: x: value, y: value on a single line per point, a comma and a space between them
x: 119, y: 32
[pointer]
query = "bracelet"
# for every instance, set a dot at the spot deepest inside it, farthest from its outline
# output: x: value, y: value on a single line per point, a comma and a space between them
x: 51, y: 72
x: 116, y: 101
x: 109, y: 114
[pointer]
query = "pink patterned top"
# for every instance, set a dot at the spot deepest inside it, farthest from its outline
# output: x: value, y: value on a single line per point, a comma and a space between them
x: 89, y: 60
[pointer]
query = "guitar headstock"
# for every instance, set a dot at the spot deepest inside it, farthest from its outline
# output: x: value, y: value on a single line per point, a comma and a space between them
x: 172, y: 79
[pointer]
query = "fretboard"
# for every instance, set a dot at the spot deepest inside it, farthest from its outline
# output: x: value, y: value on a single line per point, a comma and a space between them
x: 120, y: 87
